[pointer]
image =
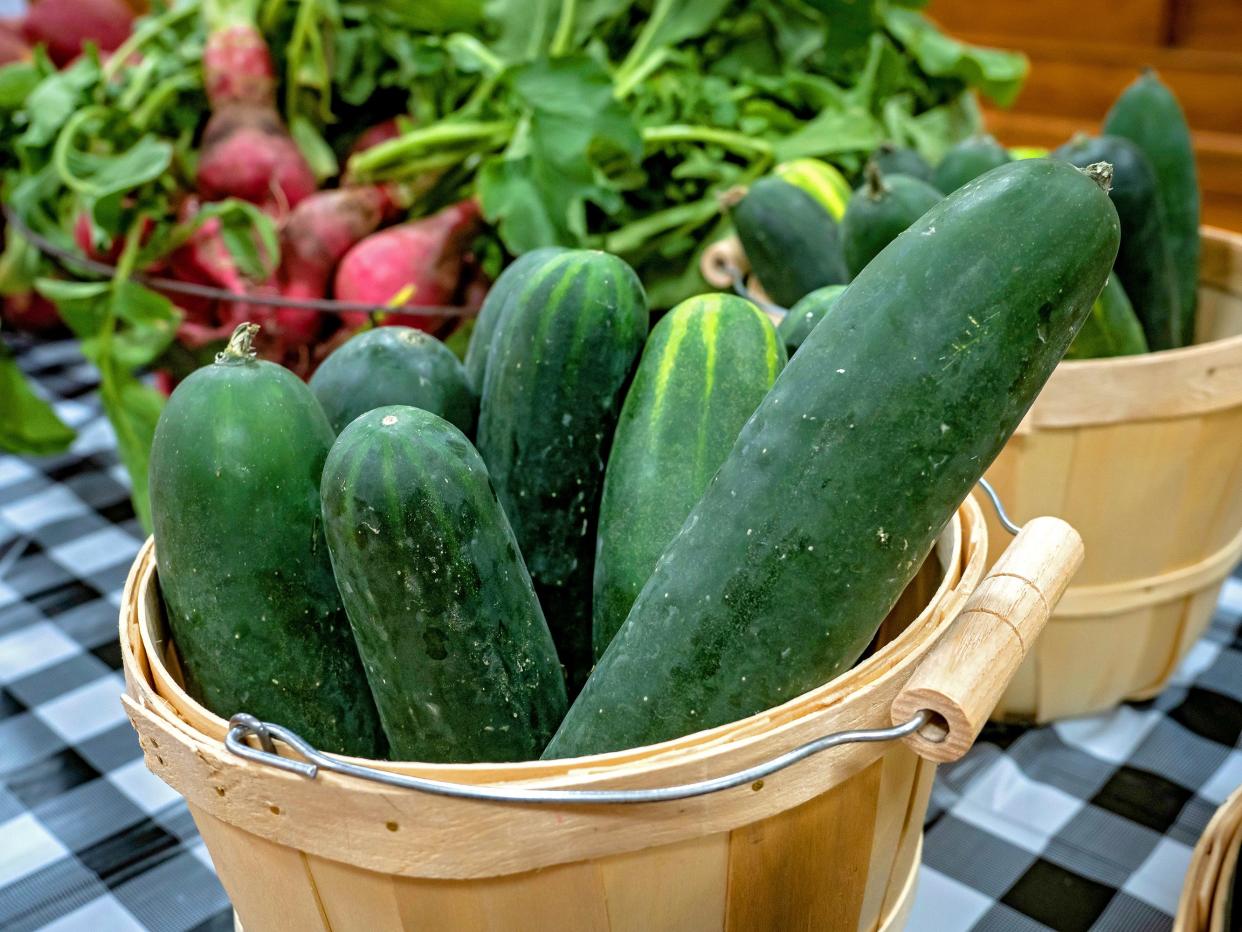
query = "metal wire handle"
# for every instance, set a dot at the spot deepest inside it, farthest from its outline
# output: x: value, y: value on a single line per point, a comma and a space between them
x: 243, y: 725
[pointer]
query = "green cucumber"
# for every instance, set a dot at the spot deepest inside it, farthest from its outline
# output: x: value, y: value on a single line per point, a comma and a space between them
x: 509, y: 281
x: 244, y: 569
x: 707, y: 365
x: 456, y: 649
x: 563, y: 352
x: 1149, y: 116
x: 898, y: 160
x: 798, y: 322
x: 852, y: 465
x: 1145, y: 262
x: 1111, y: 329
x: 790, y: 239
x: 967, y: 160
x: 391, y: 366
x: 878, y: 211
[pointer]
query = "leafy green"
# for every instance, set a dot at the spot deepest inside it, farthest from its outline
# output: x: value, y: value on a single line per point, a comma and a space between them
x: 28, y: 424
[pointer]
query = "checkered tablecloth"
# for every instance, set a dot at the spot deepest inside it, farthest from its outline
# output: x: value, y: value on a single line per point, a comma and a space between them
x: 1083, y: 825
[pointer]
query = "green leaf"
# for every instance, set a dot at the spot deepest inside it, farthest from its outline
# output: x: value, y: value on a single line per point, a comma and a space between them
x: 435, y: 16
x: 850, y: 23
x: 833, y: 132
x: 522, y: 28
x: 16, y: 82
x: 249, y: 234
x: 538, y: 193
x: 84, y: 306
x: 998, y: 74
x: 133, y: 409
x: 314, y: 148
x: 28, y: 424
x: 56, y: 98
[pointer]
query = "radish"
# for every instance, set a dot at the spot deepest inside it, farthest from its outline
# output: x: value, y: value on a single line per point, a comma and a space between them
x: 29, y: 311
x: 12, y: 46
x: 248, y: 154
x: 373, y: 135
x: 426, y: 256
x: 63, y: 26
x: 318, y: 233
x: 246, y: 150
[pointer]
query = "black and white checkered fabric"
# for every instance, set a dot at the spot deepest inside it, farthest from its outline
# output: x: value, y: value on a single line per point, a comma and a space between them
x: 1083, y: 825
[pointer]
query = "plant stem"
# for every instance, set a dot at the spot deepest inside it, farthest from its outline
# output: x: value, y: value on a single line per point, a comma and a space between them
x: 412, y: 143
x: 638, y: 50
x: 151, y: 29
x: 564, y: 29
x: 624, y: 84
x: 468, y: 43
x: 681, y: 132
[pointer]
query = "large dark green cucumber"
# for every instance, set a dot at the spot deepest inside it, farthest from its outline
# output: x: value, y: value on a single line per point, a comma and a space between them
x: 967, y: 160
x: 509, y: 281
x: 898, y: 160
x: 1144, y: 262
x: 394, y: 366
x: 562, y: 354
x: 244, y: 569
x: 857, y: 458
x: 1149, y: 116
x: 707, y: 365
x: 456, y: 649
x: 791, y: 241
x: 801, y: 319
x: 878, y: 211
x: 1111, y: 329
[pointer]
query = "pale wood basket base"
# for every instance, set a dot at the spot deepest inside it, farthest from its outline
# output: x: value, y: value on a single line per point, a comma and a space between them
x: 1143, y: 456
x: 1204, y: 902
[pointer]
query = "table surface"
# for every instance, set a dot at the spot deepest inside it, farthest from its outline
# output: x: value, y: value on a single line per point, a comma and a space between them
x: 1087, y: 824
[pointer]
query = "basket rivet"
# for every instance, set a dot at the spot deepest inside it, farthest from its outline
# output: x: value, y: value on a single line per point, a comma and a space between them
x: 219, y: 791
x: 391, y: 826
x: 275, y: 810
x: 757, y: 785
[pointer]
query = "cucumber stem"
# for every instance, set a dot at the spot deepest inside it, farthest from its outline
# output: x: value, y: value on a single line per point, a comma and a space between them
x: 240, y: 348
x: 731, y: 198
x: 876, y: 188
x: 1101, y: 173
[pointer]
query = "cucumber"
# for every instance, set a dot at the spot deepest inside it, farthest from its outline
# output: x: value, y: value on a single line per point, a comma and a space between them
x: 394, y: 365
x: 854, y: 462
x: 707, y: 365
x: 791, y: 241
x: 820, y: 180
x: 803, y: 316
x: 878, y: 211
x: 563, y: 352
x: 1111, y: 329
x: 244, y: 570
x: 967, y: 160
x: 509, y: 281
x: 456, y: 649
x: 898, y: 160
x: 1144, y: 263
x: 1149, y: 116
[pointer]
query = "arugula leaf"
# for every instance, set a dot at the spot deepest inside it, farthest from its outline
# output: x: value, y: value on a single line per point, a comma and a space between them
x: 850, y: 23
x: 17, y: 80
x: 998, y: 74
x: 538, y: 194
x: 28, y: 424
x: 133, y: 409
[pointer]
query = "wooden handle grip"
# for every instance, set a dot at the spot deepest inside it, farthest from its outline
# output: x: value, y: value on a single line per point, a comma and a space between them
x: 963, y: 676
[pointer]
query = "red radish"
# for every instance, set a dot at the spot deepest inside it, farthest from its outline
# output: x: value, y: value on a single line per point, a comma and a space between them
x: 246, y: 153
x: 318, y: 233
x: 82, y: 238
x: 374, y: 135
x: 12, y: 46
x: 246, y: 150
x: 426, y: 256
x: 30, y: 311
x: 65, y: 25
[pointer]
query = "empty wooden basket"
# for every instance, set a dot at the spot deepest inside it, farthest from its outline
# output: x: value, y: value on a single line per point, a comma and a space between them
x: 830, y: 843
x: 1143, y: 455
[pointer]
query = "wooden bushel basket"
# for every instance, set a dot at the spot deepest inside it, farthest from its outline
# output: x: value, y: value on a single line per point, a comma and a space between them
x: 1207, y: 897
x: 1143, y: 456
x: 829, y: 843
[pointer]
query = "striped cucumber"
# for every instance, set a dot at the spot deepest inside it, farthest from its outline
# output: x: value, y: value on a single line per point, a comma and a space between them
x: 563, y: 352
x: 455, y: 647
x: 856, y: 459
x: 707, y: 365
x: 820, y: 180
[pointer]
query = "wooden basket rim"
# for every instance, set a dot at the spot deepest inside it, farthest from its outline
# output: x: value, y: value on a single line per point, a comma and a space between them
x: 152, y: 685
